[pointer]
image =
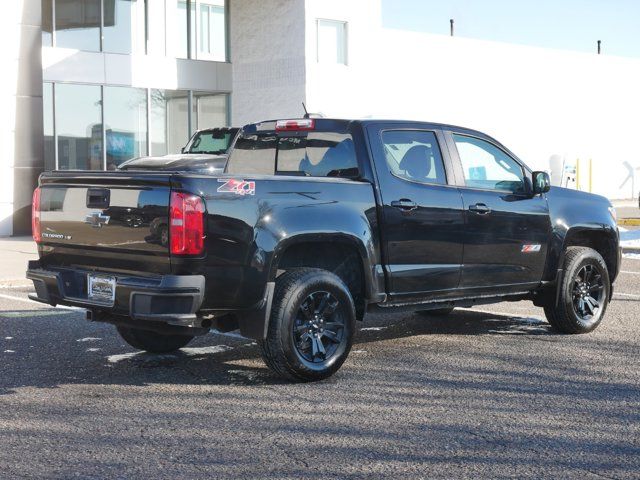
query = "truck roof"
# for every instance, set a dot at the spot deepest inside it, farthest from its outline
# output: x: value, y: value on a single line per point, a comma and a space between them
x: 327, y: 124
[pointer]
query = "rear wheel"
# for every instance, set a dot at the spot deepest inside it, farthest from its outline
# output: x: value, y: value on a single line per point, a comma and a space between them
x: 584, y: 292
x: 153, y: 341
x: 311, y: 325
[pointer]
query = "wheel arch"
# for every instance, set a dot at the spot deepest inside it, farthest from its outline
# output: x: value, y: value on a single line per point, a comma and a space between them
x: 342, y: 254
x: 602, y: 240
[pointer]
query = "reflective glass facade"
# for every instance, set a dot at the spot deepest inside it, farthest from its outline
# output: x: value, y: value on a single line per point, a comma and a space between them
x: 137, y: 122
x: 174, y: 28
x: 92, y: 126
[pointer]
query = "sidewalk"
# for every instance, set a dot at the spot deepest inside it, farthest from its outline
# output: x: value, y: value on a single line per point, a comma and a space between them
x: 15, y: 252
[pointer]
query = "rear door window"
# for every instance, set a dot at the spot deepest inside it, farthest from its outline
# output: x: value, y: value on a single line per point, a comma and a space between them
x: 316, y: 154
x: 414, y: 155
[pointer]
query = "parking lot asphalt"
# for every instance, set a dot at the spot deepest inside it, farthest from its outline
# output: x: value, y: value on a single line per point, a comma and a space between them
x: 485, y: 392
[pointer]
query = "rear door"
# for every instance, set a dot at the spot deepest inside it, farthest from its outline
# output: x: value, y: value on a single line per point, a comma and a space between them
x: 422, y: 219
x: 507, y: 228
x: 107, y: 221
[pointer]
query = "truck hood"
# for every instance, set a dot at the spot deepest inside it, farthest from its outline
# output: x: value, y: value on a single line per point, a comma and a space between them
x: 182, y: 162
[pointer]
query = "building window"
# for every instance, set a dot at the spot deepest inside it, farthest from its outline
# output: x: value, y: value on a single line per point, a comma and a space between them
x: 125, y: 119
x: 74, y: 127
x: 332, y: 42
x: 156, y: 31
x: 77, y: 24
x: 173, y: 28
x: 211, y: 110
x: 47, y: 122
x: 212, y: 41
x: 78, y: 126
x: 123, y: 26
x: 47, y: 23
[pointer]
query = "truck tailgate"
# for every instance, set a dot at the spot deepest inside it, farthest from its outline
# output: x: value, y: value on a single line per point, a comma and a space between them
x: 106, y: 221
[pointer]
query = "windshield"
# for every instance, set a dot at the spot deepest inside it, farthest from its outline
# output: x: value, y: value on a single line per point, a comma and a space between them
x: 212, y: 142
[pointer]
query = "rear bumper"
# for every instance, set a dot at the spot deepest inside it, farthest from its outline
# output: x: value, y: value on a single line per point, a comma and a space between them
x: 169, y: 299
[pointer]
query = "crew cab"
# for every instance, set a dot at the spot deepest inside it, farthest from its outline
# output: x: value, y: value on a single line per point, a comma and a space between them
x: 314, y: 223
x: 206, y: 152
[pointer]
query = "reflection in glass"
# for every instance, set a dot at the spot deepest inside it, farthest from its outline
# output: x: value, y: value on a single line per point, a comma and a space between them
x: 123, y: 26
x: 125, y: 118
x: 77, y: 117
x: 169, y: 124
x: 211, y: 42
x: 212, y: 110
x: 47, y: 122
x: 78, y: 24
x: 47, y: 23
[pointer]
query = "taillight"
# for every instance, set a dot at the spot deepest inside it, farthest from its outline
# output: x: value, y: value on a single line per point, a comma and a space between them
x: 35, y: 216
x: 186, y: 224
x: 295, y: 125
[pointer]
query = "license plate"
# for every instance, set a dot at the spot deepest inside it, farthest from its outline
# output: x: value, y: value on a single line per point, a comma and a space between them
x: 102, y: 289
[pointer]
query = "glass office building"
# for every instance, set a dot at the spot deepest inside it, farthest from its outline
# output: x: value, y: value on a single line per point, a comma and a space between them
x: 106, y: 66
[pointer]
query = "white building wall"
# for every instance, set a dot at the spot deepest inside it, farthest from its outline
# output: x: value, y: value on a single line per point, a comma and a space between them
x: 538, y: 102
x: 267, y: 44
x: 21, y: 133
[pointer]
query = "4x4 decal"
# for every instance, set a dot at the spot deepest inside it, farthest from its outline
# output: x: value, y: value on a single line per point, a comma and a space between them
x: 239, y: 187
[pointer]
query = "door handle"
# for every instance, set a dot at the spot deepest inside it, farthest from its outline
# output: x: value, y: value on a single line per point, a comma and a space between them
x: 404, y: 204
x: 480, y: 209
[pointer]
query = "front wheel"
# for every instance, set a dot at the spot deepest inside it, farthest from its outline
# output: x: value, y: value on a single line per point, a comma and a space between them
x: 311, y: 325
x: 153, y: 342
x: 584, y: 292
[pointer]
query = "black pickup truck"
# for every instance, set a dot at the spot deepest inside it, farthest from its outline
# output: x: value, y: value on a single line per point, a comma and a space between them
x: 314, y: 223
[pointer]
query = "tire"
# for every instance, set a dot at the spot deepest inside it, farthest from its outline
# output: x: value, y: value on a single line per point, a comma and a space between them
x: 438, y: 312
x: 308, y: 304
x: 153, y: 342
x: 585, y: 278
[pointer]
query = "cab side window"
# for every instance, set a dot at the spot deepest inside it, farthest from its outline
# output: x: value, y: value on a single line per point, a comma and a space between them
x: 414, y: 155
x: 487, y: 167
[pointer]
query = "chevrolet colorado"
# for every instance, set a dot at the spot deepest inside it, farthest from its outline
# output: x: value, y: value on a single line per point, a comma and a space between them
x: 314, y: 223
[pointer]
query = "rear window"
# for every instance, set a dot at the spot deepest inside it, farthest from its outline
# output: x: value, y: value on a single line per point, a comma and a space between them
x: 315, y: 154
x: 210, y: 142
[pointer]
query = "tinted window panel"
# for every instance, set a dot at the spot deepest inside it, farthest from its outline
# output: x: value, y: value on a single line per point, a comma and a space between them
x: 78, y: 24
x: 317, y: 154
x: 414, y: 155
x: 253, y: 154
x: 487, y: 167
x: 79, y: 128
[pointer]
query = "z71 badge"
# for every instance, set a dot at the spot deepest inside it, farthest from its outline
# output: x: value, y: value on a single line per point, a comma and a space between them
x: 239, y: 187
x: 531, y: 248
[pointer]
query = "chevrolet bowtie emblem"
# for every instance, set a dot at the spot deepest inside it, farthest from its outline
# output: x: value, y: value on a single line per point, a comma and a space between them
x: 97, y: 219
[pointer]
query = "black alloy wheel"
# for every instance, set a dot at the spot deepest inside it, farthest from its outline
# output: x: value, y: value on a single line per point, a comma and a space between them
x: 588, y: 292
x: 319, y: 327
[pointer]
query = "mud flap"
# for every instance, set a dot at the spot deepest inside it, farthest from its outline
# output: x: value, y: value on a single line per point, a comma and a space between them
x: 254, y: 323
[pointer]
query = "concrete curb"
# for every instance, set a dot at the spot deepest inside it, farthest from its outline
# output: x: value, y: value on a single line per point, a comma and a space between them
x: 629, y: 222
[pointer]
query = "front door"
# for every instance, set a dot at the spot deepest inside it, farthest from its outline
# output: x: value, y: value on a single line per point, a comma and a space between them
x: 421, y: 211
x: 507, y: 228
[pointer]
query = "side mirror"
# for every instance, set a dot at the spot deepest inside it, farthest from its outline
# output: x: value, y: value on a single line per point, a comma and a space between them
x: 541, y: 182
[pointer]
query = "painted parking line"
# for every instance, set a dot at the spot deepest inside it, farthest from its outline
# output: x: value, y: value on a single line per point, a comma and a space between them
x: 628, y: 295
x: 629, y: 272
x: 33, y: 303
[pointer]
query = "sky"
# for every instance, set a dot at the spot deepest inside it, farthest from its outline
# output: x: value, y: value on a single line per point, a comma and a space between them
x: 563, y: 24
